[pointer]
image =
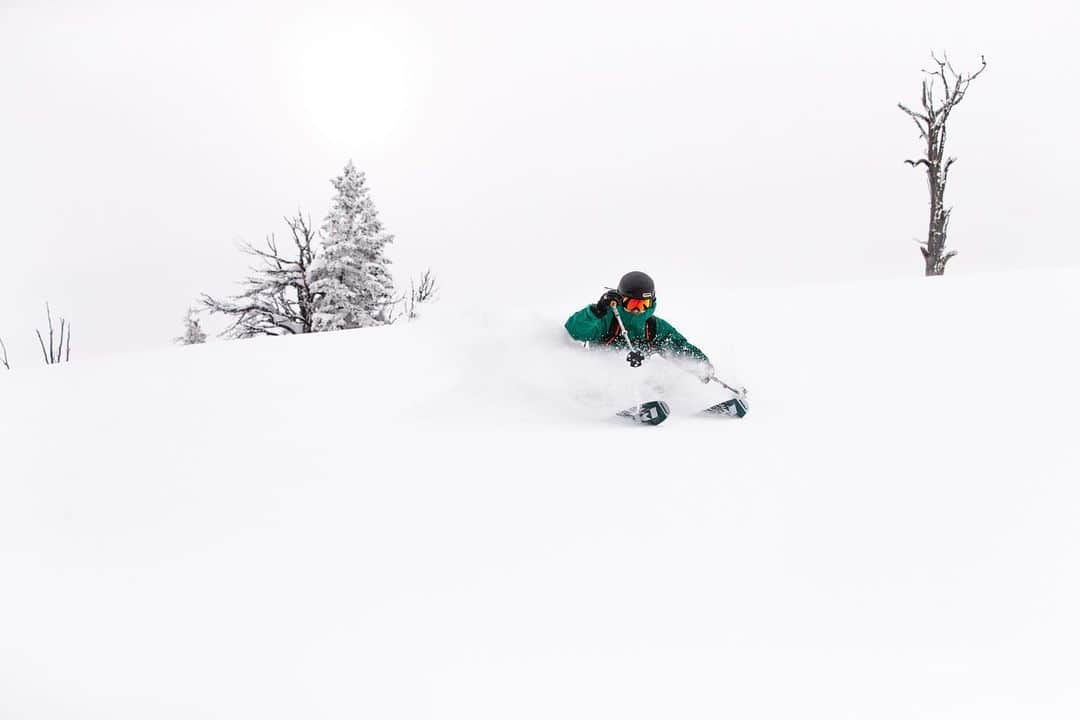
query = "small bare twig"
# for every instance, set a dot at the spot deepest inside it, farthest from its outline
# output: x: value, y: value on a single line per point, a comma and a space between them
x: 3, y: 355
x: 42, y: 343
x: 56, y: 353
x: 426, y: 291
x: 48, y: 314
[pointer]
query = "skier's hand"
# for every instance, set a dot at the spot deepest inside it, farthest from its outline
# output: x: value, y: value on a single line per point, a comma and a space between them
x: 707, y: 373
x: 603, y: 305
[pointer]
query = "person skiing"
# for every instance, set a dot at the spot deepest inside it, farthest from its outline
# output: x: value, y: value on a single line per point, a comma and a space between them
x: 635, y: 303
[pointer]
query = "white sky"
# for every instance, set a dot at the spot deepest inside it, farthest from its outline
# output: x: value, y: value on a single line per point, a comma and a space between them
x: 513, y: 147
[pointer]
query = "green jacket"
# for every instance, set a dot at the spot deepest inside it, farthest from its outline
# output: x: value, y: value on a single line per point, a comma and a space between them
x: 584, y: 326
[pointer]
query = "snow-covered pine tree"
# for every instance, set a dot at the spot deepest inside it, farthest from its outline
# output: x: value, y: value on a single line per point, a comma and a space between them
x: 193, y: 332
x: 351, y: 279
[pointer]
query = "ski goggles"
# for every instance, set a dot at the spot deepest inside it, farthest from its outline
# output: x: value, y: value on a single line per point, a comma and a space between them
x: 637, y: 304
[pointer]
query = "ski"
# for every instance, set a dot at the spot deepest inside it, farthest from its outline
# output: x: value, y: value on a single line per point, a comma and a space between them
x: 653, y: 412
x: 736, y: 407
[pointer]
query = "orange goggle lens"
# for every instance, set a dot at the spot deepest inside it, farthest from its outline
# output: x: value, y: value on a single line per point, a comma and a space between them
x: 633, y: 304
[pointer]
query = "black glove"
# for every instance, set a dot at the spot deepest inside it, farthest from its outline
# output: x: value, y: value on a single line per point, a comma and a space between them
x: 601, y: 308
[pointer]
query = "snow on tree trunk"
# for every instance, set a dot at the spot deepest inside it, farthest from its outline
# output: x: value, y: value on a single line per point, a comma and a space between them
x: 351, y: 279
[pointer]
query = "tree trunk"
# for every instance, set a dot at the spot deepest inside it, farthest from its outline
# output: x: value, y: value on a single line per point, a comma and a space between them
x: 931, y: 124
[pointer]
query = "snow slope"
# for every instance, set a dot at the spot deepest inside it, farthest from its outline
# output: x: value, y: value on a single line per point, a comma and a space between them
x: 442, y: 520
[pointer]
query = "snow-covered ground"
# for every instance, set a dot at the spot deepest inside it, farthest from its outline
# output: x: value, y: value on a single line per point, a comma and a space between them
x: 441, y: 519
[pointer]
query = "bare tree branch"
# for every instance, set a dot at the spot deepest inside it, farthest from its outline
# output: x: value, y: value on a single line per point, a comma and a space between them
x: 912, y: 113
x: 42, y: 343
x: 3, y: 355
x: 48, y: 313
x: 921, y: 121
x: 276, y: 298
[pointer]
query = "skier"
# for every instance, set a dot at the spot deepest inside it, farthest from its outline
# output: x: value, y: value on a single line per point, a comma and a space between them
x: 635, y: 303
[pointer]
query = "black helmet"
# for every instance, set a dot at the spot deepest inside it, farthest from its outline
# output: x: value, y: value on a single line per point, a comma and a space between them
x: 637, y: 284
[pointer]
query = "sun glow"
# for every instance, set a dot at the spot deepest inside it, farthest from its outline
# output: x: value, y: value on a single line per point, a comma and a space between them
x: 359, y: 82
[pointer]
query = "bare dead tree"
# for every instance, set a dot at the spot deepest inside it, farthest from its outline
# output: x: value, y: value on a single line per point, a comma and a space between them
x: 276, y: 299
x: 931, y: 123
x: 3, y: 355
x: 57, y: 352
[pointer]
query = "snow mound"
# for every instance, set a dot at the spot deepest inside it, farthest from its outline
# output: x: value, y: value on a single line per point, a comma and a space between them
x: 442, y: 519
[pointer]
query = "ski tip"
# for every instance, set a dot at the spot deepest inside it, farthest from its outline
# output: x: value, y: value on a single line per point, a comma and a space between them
x: 736, y: 407
x: 653, y: 412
